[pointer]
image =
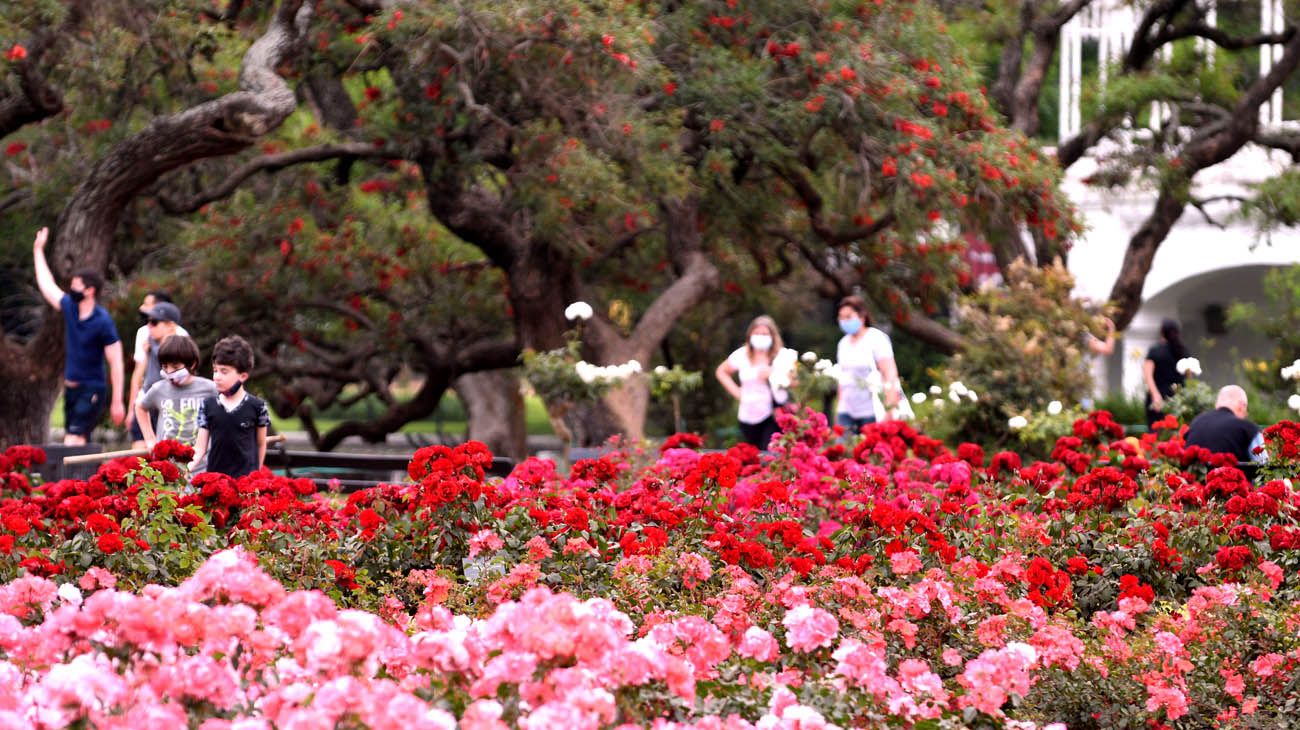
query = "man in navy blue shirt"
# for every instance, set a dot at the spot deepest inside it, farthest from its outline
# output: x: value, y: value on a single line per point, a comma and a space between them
x: 1225, y: 429
x: 89, y: 338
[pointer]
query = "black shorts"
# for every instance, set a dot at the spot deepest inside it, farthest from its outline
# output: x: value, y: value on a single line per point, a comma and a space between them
x: 759, y: 434
x: 83, y: 406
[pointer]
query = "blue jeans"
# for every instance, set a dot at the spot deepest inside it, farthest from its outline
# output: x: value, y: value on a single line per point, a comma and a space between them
x: 851, y: 424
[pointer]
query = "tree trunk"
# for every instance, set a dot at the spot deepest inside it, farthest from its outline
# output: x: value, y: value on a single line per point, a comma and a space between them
x: 83, y: 236
x: 31, y: 377
x: 495, y: 409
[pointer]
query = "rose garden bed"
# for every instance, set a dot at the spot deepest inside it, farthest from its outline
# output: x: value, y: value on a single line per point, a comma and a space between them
x: 882, y: 580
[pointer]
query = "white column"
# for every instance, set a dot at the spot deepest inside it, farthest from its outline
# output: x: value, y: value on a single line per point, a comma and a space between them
x: 1271, y: 21
x: 1069, y: 36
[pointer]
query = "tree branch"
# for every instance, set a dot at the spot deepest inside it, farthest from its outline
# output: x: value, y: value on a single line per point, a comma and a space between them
x: 1288, y: 142
x: 219, y: 127
x: 272, y: 163
x: 477, y: 357
x: 37, y: 99
x: 1197, y: 155
x: 814, y: 204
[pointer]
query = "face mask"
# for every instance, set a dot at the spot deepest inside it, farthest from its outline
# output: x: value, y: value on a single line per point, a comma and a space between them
x: 176, y: 376
x: 850, y: 326
x: 77, y: 296
x: 762, y: 343
x: 233, y: 389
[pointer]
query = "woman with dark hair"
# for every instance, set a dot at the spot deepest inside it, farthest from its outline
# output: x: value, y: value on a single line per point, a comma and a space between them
x: 1160, y: 369
x: 867, y: 371
x: 753, y: 362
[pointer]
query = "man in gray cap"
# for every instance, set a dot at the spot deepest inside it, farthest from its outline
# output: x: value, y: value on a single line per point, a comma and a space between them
x: 162, y: 320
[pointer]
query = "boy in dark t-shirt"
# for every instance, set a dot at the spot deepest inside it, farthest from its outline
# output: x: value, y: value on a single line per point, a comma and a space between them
x: 232, y: 424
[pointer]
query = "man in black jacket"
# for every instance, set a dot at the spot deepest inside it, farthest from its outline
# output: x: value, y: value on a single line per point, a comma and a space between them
x: 1225, y: 429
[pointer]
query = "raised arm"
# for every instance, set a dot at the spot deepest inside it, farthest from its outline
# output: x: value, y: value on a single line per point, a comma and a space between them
x: 44, y: 277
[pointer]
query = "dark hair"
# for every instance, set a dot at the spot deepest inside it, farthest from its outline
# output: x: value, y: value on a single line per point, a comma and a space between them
x: 857, y: 304
x: 1170, y: 332
x: 160, y: 296
x: 178, y: 350
x: 235, y: 352
x: 91, y: 278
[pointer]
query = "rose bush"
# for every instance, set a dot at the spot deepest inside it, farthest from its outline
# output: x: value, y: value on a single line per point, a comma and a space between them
x: 877, y: 580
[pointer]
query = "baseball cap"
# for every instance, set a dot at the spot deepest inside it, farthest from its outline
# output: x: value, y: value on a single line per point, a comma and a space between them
x: 165, y: 312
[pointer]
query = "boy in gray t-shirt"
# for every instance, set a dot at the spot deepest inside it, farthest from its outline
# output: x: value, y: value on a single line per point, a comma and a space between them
x: 176, y: 398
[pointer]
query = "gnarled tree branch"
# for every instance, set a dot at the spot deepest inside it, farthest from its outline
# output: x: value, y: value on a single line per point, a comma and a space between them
x: 272, y: 163
x: 219, y: 127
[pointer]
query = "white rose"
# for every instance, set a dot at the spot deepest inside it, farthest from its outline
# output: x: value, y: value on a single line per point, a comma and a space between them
x: 634, y: 366
x: 809, y: 357
x: 578, y: 310
x: 660, y: 370
x: 959, y: 388
x: 1294, y: 401
x: 918, y: 398
x: 935, y: 390
x: 973, y: 397
x: 1054, y: 408
x: 1189, y: 366
x: 70, y: 594
x: 1015, y: 423
x: 587, y: 372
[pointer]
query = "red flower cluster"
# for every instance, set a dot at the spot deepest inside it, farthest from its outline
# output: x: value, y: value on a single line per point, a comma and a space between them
x: 172, y: 450
x: 1048, y: 586
x: 682, y: 441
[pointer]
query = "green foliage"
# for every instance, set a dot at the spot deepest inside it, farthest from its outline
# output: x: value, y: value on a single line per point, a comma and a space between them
x: 1277, y: 320
x: 1190, y: 399
x: 1275, y: 202
x: 815, y: 380
x: 1126, y: 409
x: 561, y: 376
x: 1025, y: 348
x: 674, y: 382
x: 1044, y: 427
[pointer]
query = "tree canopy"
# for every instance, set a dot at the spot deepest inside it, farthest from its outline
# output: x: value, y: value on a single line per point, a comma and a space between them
x: 366, y: 188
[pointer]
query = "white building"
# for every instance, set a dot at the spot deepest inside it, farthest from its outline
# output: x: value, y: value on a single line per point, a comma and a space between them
x: 1201, y: 268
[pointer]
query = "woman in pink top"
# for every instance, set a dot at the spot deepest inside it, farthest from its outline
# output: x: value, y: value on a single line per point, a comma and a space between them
x: 752, y: 363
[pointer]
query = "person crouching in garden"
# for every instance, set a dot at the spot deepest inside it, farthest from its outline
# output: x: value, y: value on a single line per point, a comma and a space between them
x: 174, y: 401
x: 867, y: 369
x: 758, y: 397
x: 232, y: 423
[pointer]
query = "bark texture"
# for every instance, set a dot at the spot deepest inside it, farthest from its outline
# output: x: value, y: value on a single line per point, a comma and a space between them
x: 83, y: 234
x: 495, y: 408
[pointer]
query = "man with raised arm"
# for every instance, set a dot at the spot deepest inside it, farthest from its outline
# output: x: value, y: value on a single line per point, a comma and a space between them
x: 90, y: 337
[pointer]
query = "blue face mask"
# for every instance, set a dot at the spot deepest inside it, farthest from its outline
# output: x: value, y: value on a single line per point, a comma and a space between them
x: 850, y: 326
x: 230, y: 392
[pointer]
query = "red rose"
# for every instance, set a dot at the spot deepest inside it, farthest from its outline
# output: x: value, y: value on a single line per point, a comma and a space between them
x: 100, y: 524
x: 110, y: 543
x: 1234, y: 557
x: 17, y: 525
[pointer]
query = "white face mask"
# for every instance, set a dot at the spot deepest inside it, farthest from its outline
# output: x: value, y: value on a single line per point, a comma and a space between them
x: 762, y: 343
x: 176, y: 376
